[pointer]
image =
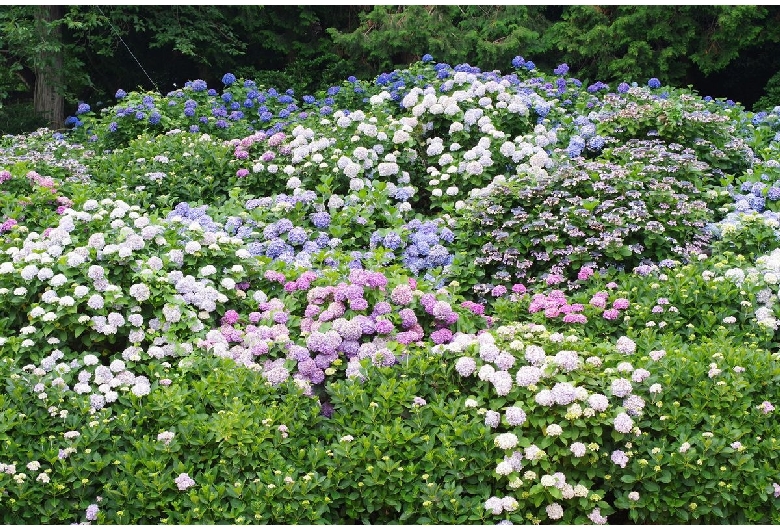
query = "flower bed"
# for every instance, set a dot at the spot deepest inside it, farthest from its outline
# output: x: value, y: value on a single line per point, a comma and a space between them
x: 440, y: 296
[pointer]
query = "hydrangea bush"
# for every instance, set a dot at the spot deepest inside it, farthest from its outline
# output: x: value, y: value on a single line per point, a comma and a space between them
x: 443, y: 295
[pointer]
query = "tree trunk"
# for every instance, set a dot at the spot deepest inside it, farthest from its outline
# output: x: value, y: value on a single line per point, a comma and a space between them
x: 48, y: 100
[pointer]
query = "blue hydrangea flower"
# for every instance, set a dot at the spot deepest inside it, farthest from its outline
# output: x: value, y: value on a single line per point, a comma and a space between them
x: 320, y: 219
x: 576, y: 145
x: 297, y: 236
x: 120, y: 94
x: 392, y: 241
x: 154, y: 118
x: 228, y: 79
x: 276, y: 247
x: 757, y: 203
x: 427, y: 58
x: 543, y: 109
x: 654, y: 83
x: 598, y: 85
x: 562, y: 69
x: 383, y: 79
x: 284, y: 226
x: 255, y: 248
x: 623, y: 88
x: 596, y: 143
x: 199, y: 85
x: 82, y: 108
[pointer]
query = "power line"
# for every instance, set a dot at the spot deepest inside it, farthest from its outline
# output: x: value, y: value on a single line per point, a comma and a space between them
x: 128, y: 50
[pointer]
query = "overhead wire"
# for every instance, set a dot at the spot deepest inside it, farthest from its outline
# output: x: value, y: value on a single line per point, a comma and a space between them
x: 119, y: 36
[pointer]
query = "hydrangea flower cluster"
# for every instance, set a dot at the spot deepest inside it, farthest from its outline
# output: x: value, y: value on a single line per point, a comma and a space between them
x: 360, y: 318
x: 513, y: 361
x: 423, y: 245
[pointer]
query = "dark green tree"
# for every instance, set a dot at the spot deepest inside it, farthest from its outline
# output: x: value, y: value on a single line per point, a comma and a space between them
x: 674, y: 43
x: 485, y: 36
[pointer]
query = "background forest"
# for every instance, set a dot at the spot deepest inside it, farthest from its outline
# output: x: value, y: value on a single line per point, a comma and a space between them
x: 53, y: 57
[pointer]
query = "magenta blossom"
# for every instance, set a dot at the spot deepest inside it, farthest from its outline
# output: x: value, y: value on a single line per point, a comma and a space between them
x: 498, y: 290
x: 585, y: 273
x: 231, y: 317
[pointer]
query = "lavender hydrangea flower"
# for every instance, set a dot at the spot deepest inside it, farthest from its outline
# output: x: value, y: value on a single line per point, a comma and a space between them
x: 492, y: 418
x: 465, y: 366
x: 578, y: 449
x: 619, y: 458
x: 528, y: 375
x: 91, y: 513
x: 515, y: 416
x: 623, y: 423
x: 183, y: 481
x: 621, y: 387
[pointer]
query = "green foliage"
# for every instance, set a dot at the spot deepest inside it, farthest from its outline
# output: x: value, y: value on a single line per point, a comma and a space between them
x: 225, y: 425
x: 18, y: 118
x: 488, y: 35
x: 297, y: 348
x: 746, y: 234
x: 408, y: 450
x: 523, y: 227
x: 707, y: 431
x: 162, y: 171
x: 615, y: 43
